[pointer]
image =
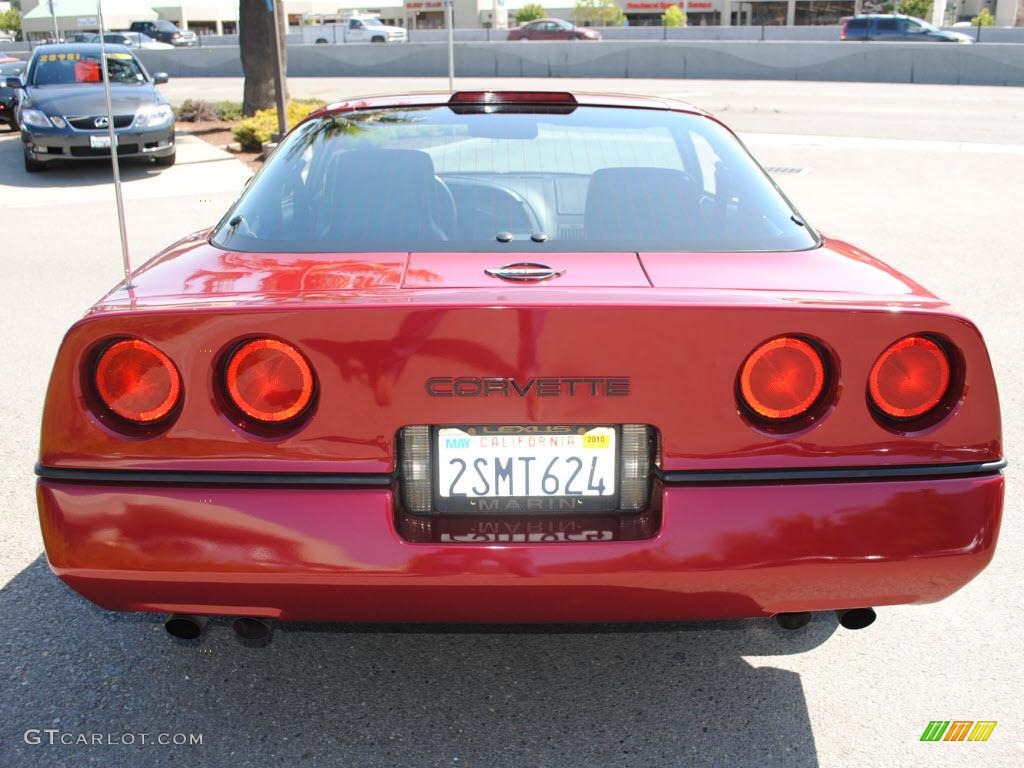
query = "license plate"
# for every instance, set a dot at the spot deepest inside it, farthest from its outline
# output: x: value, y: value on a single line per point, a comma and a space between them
x: 545, y: 469
x: 99, y: 142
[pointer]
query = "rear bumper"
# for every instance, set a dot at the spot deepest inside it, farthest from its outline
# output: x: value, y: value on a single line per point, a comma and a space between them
x: 333, y: 554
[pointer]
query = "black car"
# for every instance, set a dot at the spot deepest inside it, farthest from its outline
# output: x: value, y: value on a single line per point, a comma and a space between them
x: 897, y: 28
x: 63, y: 113
x: 9, y: 96
x: 166, y: 32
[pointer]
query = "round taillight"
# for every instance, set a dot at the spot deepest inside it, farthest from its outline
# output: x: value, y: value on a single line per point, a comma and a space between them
x: 269, y: 380
x: 137, y: 381
x: 910, y: 378
x: 782, y: 379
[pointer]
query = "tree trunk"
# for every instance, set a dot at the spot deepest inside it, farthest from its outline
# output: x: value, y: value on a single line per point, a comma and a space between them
x: 255, y: 26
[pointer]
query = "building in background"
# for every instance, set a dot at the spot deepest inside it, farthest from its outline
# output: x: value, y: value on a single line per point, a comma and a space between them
x: 215, y: 17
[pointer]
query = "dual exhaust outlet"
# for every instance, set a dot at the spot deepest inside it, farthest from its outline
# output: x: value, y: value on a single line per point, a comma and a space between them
x: 850, y: 618
x: 258, y: 631
x: 247, y: 629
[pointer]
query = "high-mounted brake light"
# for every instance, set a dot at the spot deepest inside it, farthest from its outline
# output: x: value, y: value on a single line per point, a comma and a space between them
x: 782, y: 379
x: 512, y: 97
x: 910, y: 378
x: 137, y: 381
x: 269, y: 380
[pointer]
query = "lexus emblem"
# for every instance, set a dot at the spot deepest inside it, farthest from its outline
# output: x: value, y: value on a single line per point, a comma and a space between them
x: 101, y: 122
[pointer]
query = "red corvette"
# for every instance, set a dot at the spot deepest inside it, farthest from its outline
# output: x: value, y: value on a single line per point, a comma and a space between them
x: 517, y: 357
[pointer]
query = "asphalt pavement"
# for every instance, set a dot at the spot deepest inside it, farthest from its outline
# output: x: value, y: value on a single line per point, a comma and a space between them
x: 929, y: 178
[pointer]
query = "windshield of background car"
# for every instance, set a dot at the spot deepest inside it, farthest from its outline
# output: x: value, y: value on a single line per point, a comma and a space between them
x: 12, y: 69
x: 521, y: 179
x: 70, y: 67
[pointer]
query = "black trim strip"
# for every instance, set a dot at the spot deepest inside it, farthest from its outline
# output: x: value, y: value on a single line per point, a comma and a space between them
x: 727, y: 476
x: 382, y: 480
x: 185, y: 477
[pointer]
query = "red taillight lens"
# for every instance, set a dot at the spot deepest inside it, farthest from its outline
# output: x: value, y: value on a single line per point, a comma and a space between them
x: 137, y: 381
x: 782, y: 378
x: 910, y: 378
x: 269, y: 381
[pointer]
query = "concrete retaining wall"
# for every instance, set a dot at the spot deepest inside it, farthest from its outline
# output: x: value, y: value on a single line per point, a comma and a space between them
x: 995, y: 64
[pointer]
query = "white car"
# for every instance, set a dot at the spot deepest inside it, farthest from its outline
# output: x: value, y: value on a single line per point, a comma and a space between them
x: 136, y: 40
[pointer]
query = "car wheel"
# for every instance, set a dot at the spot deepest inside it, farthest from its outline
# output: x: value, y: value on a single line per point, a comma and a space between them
x: 321, y: 41
x: 33, y: 166
x: 377, y: 39
x: 168, y: 161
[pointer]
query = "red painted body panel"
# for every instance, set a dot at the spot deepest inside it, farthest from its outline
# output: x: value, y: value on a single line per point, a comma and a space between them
x: 375, y: 327
x: 373, y: 345
x: 334, y: 555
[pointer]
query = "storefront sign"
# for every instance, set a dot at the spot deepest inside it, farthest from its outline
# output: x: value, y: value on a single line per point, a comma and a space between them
x: 661, y: 5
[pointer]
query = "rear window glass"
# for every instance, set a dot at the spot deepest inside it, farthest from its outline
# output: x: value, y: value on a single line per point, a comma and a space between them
x: 568, y: 179
x: 857, y: 24
x: 69, y: 67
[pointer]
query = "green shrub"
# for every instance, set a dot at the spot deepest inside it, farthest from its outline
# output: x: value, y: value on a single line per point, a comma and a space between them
x: 230, y: 111
x: 199, y: 111
x: 196, y: 111
x: 984, y: 19
x: 673, y: 17
x: 253, y: 132
x: 529, y: 12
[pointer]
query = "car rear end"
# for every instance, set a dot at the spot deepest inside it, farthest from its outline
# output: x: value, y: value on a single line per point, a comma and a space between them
x: 855, y: 28
x: 184, y: 38
x: 521, y: 431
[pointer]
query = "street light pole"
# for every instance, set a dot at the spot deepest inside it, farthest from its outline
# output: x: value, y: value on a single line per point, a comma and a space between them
x: 53, y: 13
x: 274, y: 6
x: 451, y: 44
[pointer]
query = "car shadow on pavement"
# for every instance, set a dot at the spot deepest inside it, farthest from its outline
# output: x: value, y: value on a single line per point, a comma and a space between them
x: 664, y: 695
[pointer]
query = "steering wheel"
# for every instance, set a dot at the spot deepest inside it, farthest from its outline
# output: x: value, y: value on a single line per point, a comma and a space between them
x: 446, y: 212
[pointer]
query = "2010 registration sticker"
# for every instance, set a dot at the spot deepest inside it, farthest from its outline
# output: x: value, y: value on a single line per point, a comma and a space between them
x: 572, y: 464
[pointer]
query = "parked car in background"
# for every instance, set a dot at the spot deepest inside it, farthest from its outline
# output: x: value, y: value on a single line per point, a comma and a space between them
x: 9, y: 67
x: 894, y: 27
x: 552, y: 29
x: 354, y: 28
x: 6, y: 36
x: 131, y: 40
x: 166, y: 32
x: 63, y: 111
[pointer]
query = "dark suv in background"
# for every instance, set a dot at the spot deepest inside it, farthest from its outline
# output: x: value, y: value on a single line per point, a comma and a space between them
x: 894, y: 27
x: 166, y: 32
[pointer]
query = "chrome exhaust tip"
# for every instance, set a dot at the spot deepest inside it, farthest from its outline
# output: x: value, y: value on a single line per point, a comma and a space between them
x: 252, y: 631
x: 856, y: 618
x: 185, y: 626
x: 793, y: 620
